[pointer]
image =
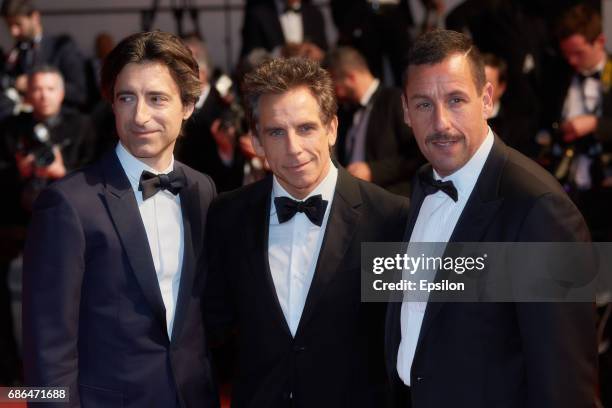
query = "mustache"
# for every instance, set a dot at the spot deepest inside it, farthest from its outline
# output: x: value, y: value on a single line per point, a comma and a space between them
x: 442, y: 137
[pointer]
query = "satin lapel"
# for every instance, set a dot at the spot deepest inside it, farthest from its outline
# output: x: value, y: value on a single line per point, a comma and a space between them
x: 416, y: 200
x: 124, y: 213
x: 374, y: 126
x: 341, y: 225
x: 257, y: 224
x: 192, y: 232
x: 477, y: 215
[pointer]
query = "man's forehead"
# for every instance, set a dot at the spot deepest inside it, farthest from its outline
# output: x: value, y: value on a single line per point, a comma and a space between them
x: 298, y: 97
x: 17, y: 19
x: 150, y: 73
x: 46, y: 77
x: 453, y: 71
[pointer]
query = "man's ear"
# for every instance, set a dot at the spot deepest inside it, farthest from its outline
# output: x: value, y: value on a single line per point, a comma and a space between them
x: 405, y: 109
x: 257, y: 145
x: 188, y: 110
x: 332, y: 131
x: 487, y: 100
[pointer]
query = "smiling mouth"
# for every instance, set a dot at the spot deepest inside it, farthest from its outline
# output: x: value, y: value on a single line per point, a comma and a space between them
x: 298, y: 167
x: 143, y: 133
x: 444, y: 143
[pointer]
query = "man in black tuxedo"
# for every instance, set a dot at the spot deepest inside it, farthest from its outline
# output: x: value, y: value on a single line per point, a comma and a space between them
x: 579, y: 96
x: 482, y: 354
x: 69, y: 136
x: 34, y: 48
x: 112, y: 272
x: 514, y: 124
x: 284, y: 27
x: 284, y: 255
x: 374, y: 142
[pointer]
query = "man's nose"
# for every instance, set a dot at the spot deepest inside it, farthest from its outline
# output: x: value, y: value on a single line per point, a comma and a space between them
x: 293, y: 143
x: 441, y: 122
x: 15, y: 31
x: 142, y: 113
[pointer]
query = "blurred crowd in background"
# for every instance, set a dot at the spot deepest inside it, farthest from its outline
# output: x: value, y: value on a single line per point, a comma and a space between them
x: 546, y: 59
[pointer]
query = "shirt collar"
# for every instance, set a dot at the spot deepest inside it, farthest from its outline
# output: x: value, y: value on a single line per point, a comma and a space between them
x: 598, y: 68
x: 133, y: 167
x: 365, y: 99
x: 326, y: 188
x: 465, y: 178
x: 281, y: 6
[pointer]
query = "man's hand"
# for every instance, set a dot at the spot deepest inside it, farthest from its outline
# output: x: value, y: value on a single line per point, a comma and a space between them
x: 360, y: 170
x: 225, y: 137
x: 578, y: 126
x: 21, y: 83
x: 246, y: 146
x: 25, y: 165
x: 55, y: 170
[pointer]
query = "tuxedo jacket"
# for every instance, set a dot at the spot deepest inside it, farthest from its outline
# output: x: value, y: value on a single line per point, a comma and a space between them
x: 336, y: 358
x: 390, y: 149
x: 494, y: 355
x: 262, y: 27
x: 93, y: 316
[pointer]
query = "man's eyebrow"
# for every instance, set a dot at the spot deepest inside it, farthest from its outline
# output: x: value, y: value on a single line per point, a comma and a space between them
x: 124, y: 92
x: 157, y: 93
x: 308, y: 123
x: 270, y: 128
x: 419, y: 96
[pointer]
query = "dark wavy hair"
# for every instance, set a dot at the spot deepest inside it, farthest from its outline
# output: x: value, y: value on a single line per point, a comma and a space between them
x: 281, y: 75
x: 157, y: 46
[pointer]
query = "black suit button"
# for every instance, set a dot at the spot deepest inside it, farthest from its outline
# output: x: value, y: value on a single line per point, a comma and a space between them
x: 420, y: 379
x: 298, y: 349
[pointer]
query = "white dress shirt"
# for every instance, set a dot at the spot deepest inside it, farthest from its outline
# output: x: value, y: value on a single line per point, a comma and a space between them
x: 436, y: 222
x: 291, y: 23
x: 293, y: 249
x: 356, y: 135
x: 584, y: 97
x: 163, y: 222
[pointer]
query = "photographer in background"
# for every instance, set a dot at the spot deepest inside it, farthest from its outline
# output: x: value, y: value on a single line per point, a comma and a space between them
x: 209, y: 142
x: 33, y: 47
x: 43, y: 145
x: 35, y: 149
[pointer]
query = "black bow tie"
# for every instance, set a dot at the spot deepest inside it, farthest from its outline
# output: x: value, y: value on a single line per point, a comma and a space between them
x: 595, y: 75
x: 297, y: 8
x: 314, y: 208
x: 151, y: 183
x: 432, y: 186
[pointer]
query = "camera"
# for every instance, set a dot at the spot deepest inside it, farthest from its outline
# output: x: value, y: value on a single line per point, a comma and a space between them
x: 233, y: 115
x: 38, y: 143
